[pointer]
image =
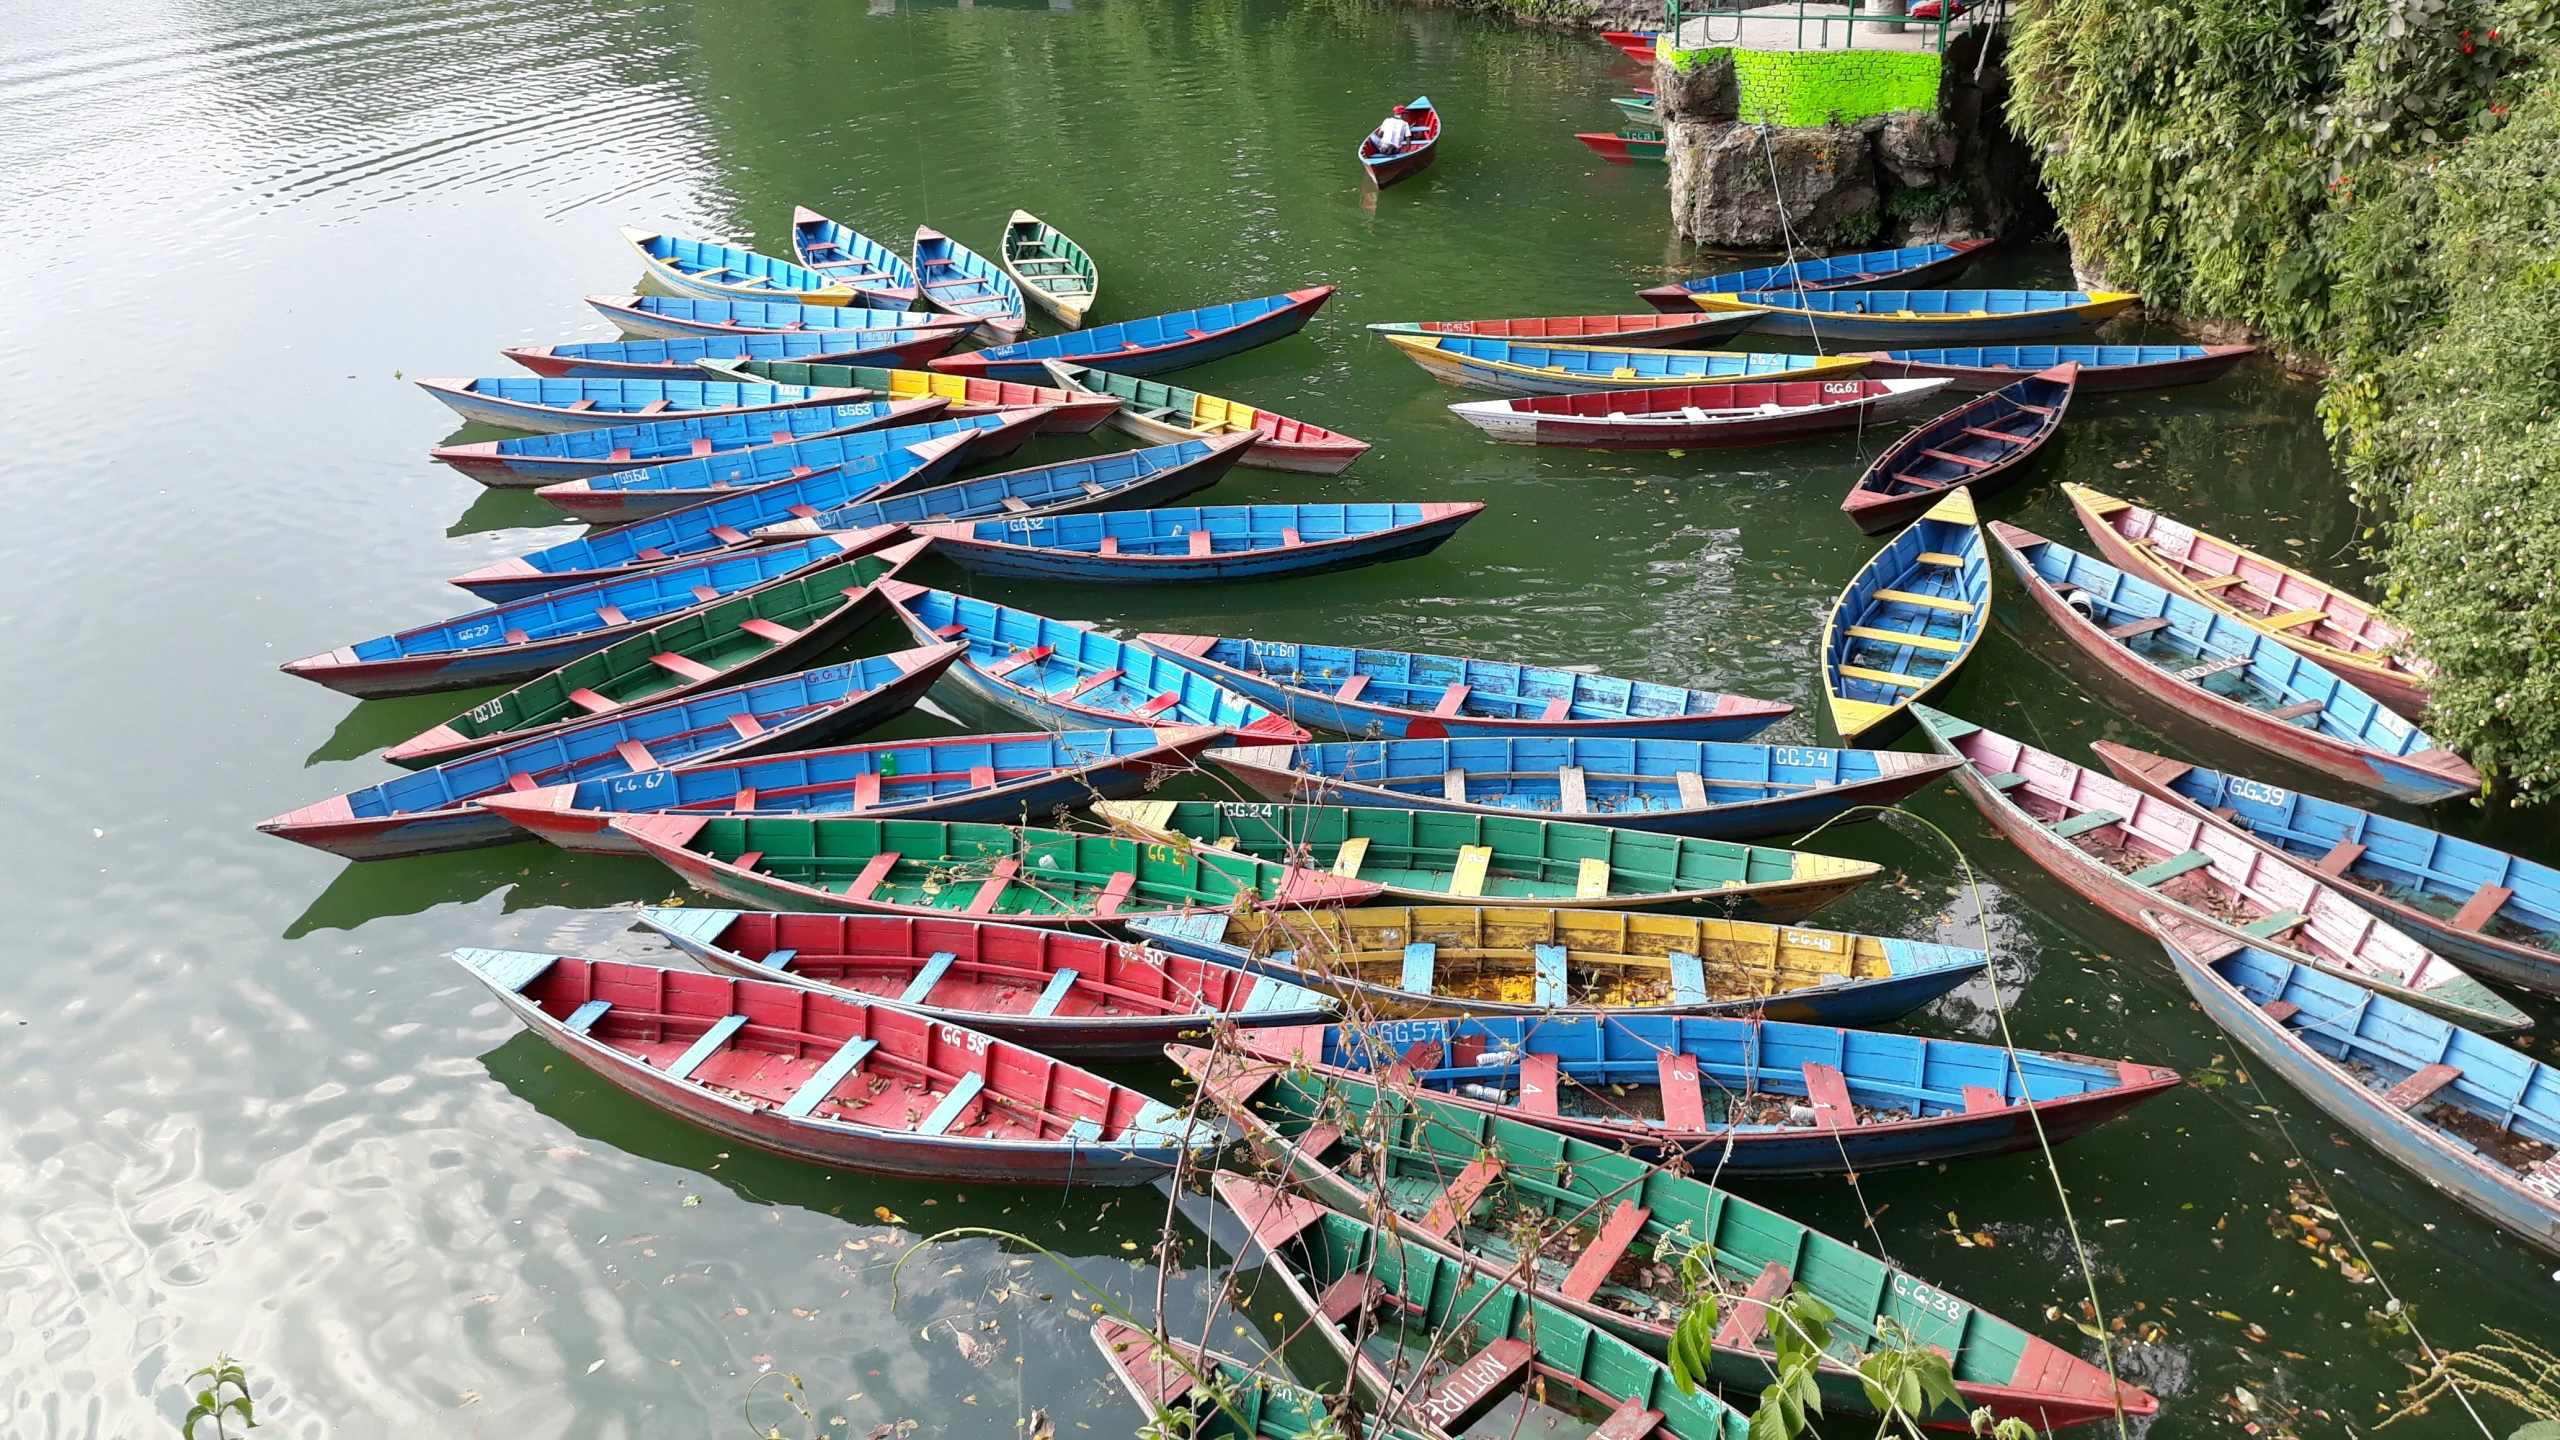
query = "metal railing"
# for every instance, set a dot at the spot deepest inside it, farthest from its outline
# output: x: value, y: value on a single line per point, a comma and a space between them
x: 1815, y: 24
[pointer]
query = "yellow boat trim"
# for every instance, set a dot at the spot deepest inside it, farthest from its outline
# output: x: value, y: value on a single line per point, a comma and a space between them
x: 1955, y: 508
x: 1853, y: 718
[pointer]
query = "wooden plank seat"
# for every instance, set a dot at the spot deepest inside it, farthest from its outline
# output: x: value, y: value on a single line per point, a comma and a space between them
x: 1060, y: 984
x: 1591, y: 879
x: 704, y: 593
x: 954, y: 1105
x: 2294, y: 619
x: 1420, y: 958
x: 2341, y: 858
x: 1926, y: 602
x: 2217, y: 582
x: 925, y: 979
x: 583, y: 1020
x: 1115, y: 893
x: 1318, y: 1139
x: 1693, y: 789
x: 747, y: 726
x: 1953, y: 458
x: 1451, y: 699
x: 2274, y: 925
x: 1591, y: 1268
x: 1885, y: 678
x: 1450, y: 1210
x: 2484, y: 903
x: 2415, y: 1091
x: 1630, y: 1421
x: 2004, y: 781
x: 678, y: 665
x: 2297, y: 710
x: 1476, y: 1381
x: 1467, y: 881
x: 1573, y: 791
x: 778, y: 959
x: 999, y: 878
x: 1941, y: 560
x: 1978, y: 1099
x: 1683, y: 1106
x: 1552, y: 982
x: 1021, y: 658
x: 2003, y: 436
x: 2170, y: 869
x: 1423, y: 1055
x: 612, y: 614
x: 764, y: 629
x: 1157, y: 705
x: 1201, y: 545
x: 874, y: 870
x: 591, y: 702
x: 1349, y: 1296
x: 1933, y: 643
x: 1558, y: 708
x: 1453, y: 786
x: 2132, y: 628
x: 2210, y: 667
x: 1748, y: 1320
x: 2281, y: 1010
x: 1828, y: 1090
x: 636, y: 755
x: 1352, y: 687
x: 703, y: 1049
x: 818, y: 1088
x: 1348, y: 859
x: 2084, y: 822
x: 1091, y: 683
x: 1539, y: 1076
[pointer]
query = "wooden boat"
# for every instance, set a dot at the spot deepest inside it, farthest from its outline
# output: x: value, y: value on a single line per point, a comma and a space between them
x: 1625, y: 147
x: 668, y: 317
x: 781, y: 625
x: 2127, y: 852
x: 991, y: 778
x: 1922, y: 317
x: 1651, y: 328
x: 849, y: 257
x: 1905, y: 622
x: 1402, y: 695
x: 870, y: 463
x: 2476, y: 1120
x: 1065, y: 412
x: 528, y: 461
x: 951, y: 276
x: 679, y: 359
x: 2104, y: 369
x: 1502, y: 860
x: 2233, y: 677
x: 1982, y: 445
x: 1497, y: 960
x: 1152, y: 345
x: 1079, y: 997
x: 991, y: 872
x: 1513, y: 367
x: 1606, y: 1209
x: 1641, y: 112
x: 1419, y: 151
x: 553, y: 406
x: 439, y: 809
x: 1058, y: 675
x: 1714, y: 789
x: 2307, y: 616
x: 1160, y: 1373
x: 714, y: 271
x: 519, y: 640
x: 1908, y: 266
x: 1052, y: 271
x: 790, y: 510
x: 1636, y: 45
x: 2490, y: 912
x: 1161, y: 414
x: 1737, y: 1096
x: 855, y: 1087
x: 1698, y: 417
x: 1190, y: 546
x: 1437, y: 1344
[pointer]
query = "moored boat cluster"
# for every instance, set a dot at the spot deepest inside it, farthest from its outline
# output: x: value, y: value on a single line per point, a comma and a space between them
x: 1499, y: 950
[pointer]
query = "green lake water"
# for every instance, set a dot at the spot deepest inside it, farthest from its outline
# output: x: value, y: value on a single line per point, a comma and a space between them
x: 250, y: 1106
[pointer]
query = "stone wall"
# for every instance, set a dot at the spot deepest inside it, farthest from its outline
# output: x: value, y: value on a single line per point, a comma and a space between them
x: 1862, y: 148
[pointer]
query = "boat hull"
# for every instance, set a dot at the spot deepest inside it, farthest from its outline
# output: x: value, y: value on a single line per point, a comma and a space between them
x: 1875, y: 509
x: 2094, y: 379
x: 859, y: 347
x: 486, y: 462
x: 1923, y: 332
x: 1660, y: 431
x: 1314, y: 711
x: 957, y: 544
x: 553, y: 420
x: 914, y: 467
x: 1913, y: 267
x: 1199, y: 349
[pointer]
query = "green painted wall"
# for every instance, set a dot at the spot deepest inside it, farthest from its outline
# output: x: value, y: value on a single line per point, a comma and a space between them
x: 1811, y: 87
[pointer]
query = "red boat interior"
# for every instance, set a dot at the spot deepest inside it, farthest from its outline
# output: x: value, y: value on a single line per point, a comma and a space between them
x: 781, y: 1048
x: 989, y: 969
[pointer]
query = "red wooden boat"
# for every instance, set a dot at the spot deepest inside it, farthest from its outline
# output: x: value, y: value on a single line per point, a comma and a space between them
x: 1653, y: 331
x: 1698, y: 417
x: 1625, y: 147
x: 836, y: 1082
x: 1074, y: 996
x: 1982, y: 445
x: 1415, y: 157
x: 1636, y: 45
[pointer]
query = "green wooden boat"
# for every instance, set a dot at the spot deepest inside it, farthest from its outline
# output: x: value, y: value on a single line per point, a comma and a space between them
x: 1424, y: 961
x: 1050, y: 268
x: 1171, y: 1379
x: 1441, y: 1342
x: 769, y: 629
x: 1640, y: 111
x: 946, y: 868
x: 1433, y: 856
x: 1466, y: 1184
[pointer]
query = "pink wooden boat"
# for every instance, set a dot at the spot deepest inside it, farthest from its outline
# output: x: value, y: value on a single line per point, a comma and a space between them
x: 1698, y: 417
x: 2127, y: 852
x: 835, y: 1081
x: 1653, y: 329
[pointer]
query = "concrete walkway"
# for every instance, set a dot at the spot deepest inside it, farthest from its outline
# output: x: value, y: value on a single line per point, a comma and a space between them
x: 1811, y: 27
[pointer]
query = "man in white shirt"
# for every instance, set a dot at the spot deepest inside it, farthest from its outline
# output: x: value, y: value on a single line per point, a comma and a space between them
x: 1393, y: 135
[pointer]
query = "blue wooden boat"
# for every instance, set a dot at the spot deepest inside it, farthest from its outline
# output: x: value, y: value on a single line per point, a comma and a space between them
x: 528, y: 461
x: 1905, y: 622
x: 1150, y: 346
x: 681, y: 358
x: 669, y: 317
x: 951, y: 276
x: 999, y: 779
x: 905, y: 457
x: 685, y: 266
x: 439, y: 809
x: 1064, y: 676
x: 1715, y: 789
x: 1736, y: 1095
x: 2207, y: 666
x: 844, y: 254
x: 1124, y: 478
x: 517, y: 641
x: 1982, y: 445
x: 824, y: 504
x: 1923, y: 317
x: 1911, y: 265
x: 1210, y: 543
x: 2490, y: 912
x: 552, y: 406
x: 2471, y: 1117
x: 1452, y: 960
x: 2103, y: 368
x: 1401, y: 695
x: 1514, y: 367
